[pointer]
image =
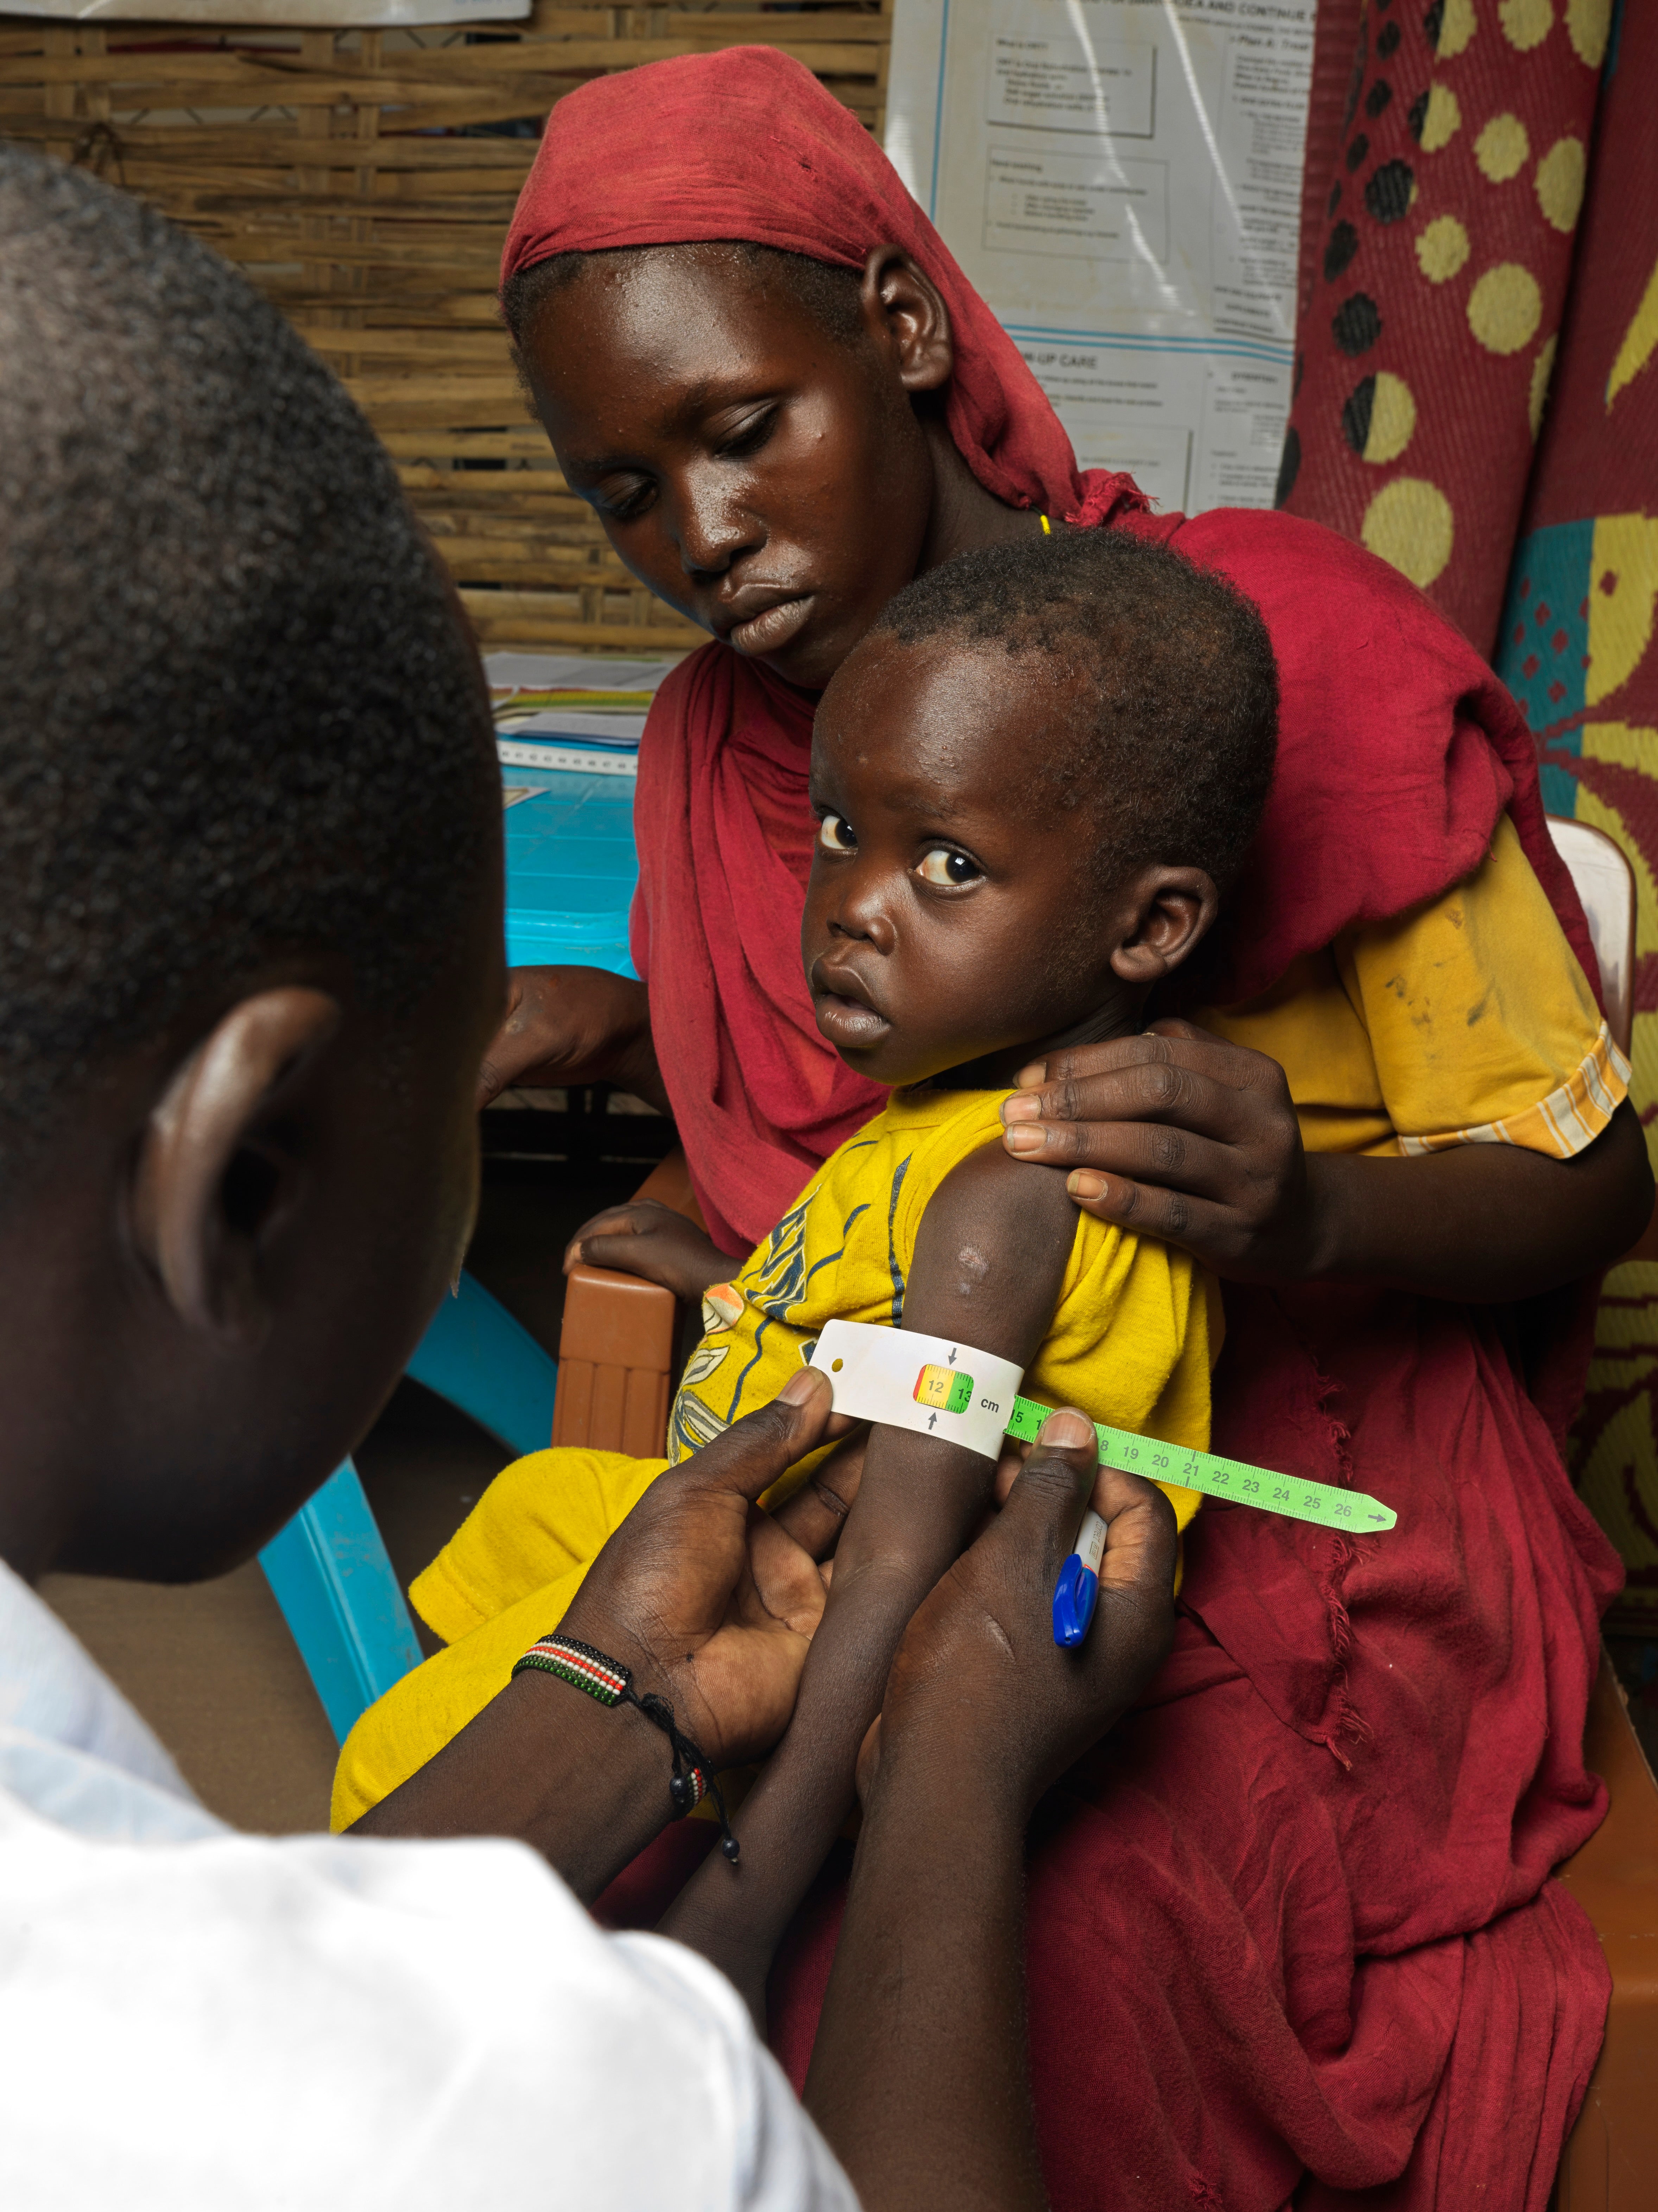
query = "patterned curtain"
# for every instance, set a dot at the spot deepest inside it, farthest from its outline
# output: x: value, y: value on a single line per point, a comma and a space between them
x: 1477, y: 401
x: 1575, y: 648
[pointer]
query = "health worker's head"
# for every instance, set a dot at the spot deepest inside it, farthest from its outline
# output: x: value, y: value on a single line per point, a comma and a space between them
x: 250, y: 900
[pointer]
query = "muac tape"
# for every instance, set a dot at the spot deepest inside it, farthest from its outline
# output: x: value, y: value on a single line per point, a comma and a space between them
x: 972, y: 1398
x: 922, y: 1382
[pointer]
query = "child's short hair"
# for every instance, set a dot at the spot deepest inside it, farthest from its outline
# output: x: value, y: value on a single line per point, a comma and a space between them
x: 1177, y: 759
x: 237, y: 714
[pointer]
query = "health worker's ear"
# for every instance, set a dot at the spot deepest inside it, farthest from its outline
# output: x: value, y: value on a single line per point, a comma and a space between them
x: 904, y: 314
x: 1165, y: 914
x: 217, y: 1167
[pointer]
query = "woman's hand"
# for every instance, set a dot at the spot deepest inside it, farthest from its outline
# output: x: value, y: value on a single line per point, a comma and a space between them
x: 1186, y: 1138
x: 647, y: 1238
x: 572, y: 1025
x: 1182, y: 1136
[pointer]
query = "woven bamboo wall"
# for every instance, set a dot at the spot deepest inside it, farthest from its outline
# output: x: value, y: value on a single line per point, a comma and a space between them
x: 364, y: 179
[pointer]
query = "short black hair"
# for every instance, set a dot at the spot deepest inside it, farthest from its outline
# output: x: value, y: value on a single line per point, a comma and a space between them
x: 1175, y: 758
x: 239, y: 714
x: 831, y: 294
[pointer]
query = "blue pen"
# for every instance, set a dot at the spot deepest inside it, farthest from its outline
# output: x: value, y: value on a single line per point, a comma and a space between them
x: 1078, y: 1590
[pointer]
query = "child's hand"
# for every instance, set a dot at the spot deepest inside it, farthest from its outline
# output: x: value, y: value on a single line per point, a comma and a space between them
x: 650, y: 1239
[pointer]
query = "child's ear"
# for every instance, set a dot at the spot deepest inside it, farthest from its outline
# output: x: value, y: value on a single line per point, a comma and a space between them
x: 217, y: 1166
x: 1166, y: 913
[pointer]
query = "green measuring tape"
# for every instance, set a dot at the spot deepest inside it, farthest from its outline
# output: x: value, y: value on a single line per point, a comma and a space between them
x: 874, y: 1365
x: 1219, y: 1477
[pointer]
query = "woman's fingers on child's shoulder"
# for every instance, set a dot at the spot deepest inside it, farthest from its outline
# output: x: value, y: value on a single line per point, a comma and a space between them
x: 1174, y: 1067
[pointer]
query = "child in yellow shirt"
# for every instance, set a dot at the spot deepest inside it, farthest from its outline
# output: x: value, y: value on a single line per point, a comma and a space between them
x: 1061, y: 745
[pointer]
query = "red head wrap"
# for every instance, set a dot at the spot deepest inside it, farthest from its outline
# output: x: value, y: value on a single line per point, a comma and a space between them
x: 747, y: 145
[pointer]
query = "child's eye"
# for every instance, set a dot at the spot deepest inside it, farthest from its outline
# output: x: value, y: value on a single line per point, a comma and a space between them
x: 941, y: 865
x: 836, y: 835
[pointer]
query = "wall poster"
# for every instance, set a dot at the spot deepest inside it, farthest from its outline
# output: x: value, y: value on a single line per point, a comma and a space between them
x: 1121, y: 180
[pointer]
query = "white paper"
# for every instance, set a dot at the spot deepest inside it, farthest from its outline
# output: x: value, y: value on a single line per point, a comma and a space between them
x: 550, y: 671
x: 286, y: 14
x: 1121, y: 181
x: 600, y: 726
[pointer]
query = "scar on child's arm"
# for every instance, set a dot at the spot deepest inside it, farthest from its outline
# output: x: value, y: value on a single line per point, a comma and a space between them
x: 991, y: 1255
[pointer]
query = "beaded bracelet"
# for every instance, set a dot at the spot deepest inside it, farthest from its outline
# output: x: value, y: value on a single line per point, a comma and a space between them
x: 610, y: 1683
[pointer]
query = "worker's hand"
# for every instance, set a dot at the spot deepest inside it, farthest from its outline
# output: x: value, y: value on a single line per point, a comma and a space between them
x: 814, y: 1516
x: 647, y: 1238
x: 709, y: 1600
x: 978, y: 1684
x: 572, y: 1025
x: 1182, y: 1136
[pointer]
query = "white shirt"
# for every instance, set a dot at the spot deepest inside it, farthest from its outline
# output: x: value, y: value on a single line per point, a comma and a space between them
x: 196, y: 2020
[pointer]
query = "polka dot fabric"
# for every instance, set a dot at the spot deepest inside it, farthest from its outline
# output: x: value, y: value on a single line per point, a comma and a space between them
x: 1578, y: 647
x: 1446, y: 169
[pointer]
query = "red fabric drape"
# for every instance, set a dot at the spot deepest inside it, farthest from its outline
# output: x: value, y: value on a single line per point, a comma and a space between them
x: 1256, y: 1917
x: 726, y: 837
x: 747, y: 145
x: 1398, y: 750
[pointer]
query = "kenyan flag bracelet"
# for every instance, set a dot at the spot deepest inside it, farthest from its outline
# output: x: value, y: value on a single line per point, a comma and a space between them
x: 610, y: 1683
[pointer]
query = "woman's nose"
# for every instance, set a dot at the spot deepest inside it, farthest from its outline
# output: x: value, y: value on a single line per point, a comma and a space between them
x: 715, y: 528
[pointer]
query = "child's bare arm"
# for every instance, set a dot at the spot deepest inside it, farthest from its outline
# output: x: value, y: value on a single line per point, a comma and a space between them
x: 989, y: 1260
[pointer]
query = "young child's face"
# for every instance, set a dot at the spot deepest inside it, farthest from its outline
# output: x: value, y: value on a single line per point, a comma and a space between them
x: 953, y: 911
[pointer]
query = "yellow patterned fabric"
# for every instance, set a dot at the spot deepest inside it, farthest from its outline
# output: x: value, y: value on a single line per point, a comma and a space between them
x: 1132, y: 1336
x: 507, y: 1576
x: 1135, y: 1331
x: 1466, y: 1021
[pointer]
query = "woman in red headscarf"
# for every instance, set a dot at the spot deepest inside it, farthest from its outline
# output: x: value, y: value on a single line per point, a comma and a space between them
x: 1294, y: 1920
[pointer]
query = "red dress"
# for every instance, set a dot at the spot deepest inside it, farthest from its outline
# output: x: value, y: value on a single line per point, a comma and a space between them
x: 1292, y: 1934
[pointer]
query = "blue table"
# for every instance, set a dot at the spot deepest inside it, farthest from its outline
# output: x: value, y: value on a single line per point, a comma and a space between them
x: 571, y: 866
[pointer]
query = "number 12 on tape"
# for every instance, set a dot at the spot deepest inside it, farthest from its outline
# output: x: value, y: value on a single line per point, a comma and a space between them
x: 1215, y: 1477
